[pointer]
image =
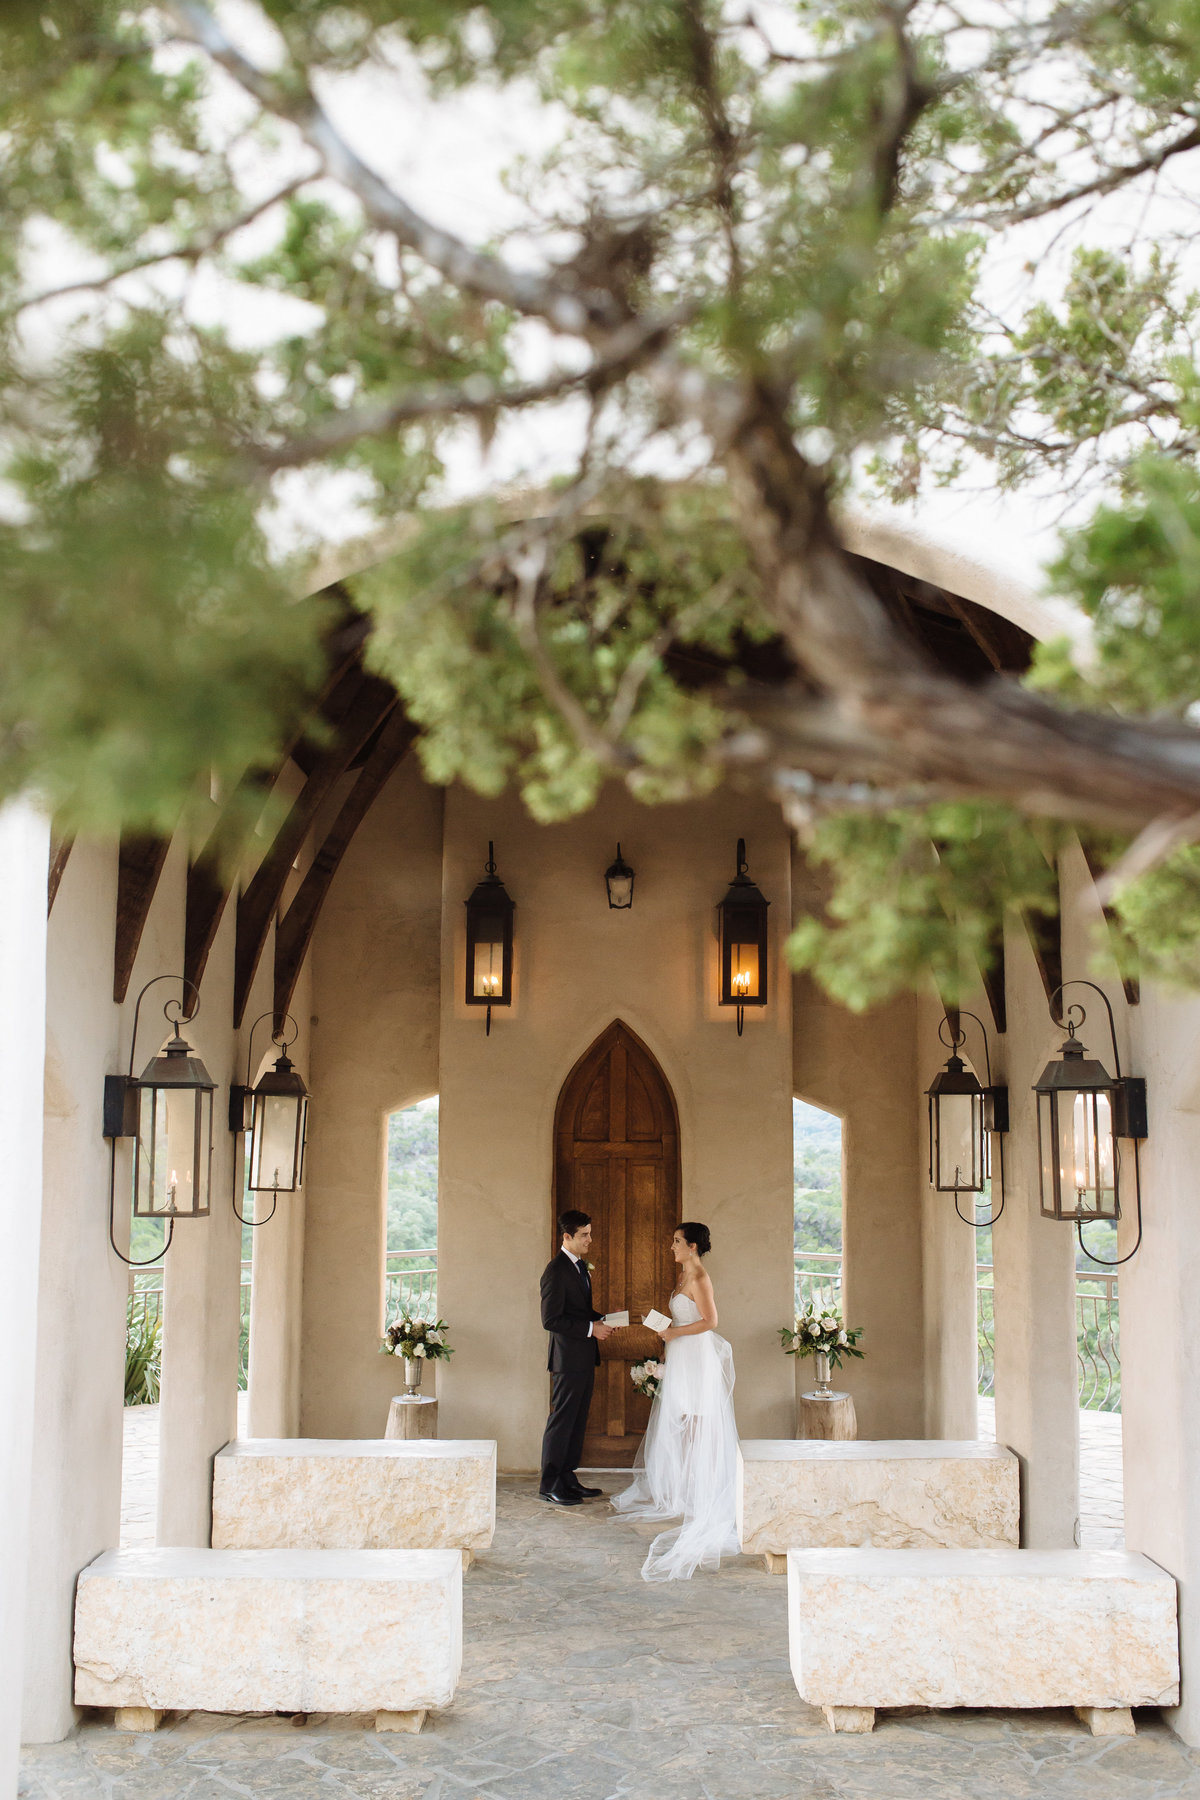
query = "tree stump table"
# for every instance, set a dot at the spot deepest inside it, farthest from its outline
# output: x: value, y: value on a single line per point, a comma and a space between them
x: 826, y: 1416
x: 412, y: 1416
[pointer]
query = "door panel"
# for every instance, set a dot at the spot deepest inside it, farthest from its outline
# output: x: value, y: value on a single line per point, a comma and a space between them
x: 617, y: 1158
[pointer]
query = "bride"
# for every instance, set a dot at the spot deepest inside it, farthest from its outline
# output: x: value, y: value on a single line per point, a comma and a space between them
x: 686, y: 1465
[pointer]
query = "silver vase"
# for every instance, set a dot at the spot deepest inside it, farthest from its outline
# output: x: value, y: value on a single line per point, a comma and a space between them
x: 824, y: 1387
x: 413, y: 1365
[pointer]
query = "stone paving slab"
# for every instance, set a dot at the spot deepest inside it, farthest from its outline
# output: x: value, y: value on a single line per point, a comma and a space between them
x: 582, y: 1682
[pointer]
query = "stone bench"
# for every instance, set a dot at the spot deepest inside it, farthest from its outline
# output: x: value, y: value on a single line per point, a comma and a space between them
x: 355, y: 1494
x: 1093, y: 1630
x: 894, y: 1494
x: 252, y: 1631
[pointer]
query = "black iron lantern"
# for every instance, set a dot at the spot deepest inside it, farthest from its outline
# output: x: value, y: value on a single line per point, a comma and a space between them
x: 489, y: 942
x: 167, y: 1110
x: 1082, y: 1113
x: 743, y: 937
x: 962, y: 1116
x: 275, y: 1113
x: 618, y: 879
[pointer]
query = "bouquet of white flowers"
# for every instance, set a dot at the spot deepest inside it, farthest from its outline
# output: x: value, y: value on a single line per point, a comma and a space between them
x: 417, y: 1340
x: 823, y: 1331
x: 647, y: 1377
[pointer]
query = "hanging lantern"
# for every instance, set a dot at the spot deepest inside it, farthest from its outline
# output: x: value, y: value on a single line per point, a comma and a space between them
x: 618, y: 879
x: 1077, y: 1108
x: 278, y: 1127
x: 168, y: 1111
x: 743, y: 937
x: 489, y: 942
x: 959, y: 1162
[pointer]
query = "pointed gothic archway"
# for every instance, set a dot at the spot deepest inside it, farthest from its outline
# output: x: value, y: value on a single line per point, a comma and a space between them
x: 616, y: 1156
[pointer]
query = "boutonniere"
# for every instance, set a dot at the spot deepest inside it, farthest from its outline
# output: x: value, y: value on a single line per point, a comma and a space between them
x: 590, y: 1267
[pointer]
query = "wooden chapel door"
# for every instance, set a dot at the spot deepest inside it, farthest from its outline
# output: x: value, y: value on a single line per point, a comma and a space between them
x: 616, y: 1156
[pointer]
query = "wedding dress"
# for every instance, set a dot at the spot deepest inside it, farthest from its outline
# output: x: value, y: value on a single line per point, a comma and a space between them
x: 686, y: 1465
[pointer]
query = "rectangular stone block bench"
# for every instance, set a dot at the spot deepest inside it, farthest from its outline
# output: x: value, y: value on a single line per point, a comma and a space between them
x: 894, y: 1494
x: 355, y: 1494
x: 1093, y: 1630
x: 251, y: 1631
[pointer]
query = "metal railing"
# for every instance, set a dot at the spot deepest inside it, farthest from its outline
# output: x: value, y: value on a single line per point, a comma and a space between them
x: 147, y: 1298
x: 818, y: 1280
x: 410, y: 1284
x: 1097, y: 1337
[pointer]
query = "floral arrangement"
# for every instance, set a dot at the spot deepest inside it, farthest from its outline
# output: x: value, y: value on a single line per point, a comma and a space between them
x: 416, y: 1340
x: 815, y: 1331
x: 647, y: 1377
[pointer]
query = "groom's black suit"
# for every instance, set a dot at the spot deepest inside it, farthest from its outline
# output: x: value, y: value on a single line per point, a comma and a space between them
x: 567, y: 1314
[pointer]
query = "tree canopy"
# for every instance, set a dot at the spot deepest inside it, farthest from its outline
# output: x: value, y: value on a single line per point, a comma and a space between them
x: 749, y: 265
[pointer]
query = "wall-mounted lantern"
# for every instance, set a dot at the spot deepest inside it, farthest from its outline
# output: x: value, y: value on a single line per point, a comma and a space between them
x: 963, y: 1115
x: 743, y: 937
x: 618, y: 879
x: 489, y: 943
x: 167, y: 1111
x: 275, y: 1113
x: 1083, y: 1112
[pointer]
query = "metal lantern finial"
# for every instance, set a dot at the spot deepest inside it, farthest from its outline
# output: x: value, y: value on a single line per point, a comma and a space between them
x: 742, y: 917
x: 489, y: 942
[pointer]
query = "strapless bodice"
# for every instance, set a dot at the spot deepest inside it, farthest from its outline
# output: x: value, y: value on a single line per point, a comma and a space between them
x: 684, y: 1310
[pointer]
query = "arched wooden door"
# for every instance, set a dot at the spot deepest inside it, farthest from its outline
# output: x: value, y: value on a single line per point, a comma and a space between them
x: 616, y: 1156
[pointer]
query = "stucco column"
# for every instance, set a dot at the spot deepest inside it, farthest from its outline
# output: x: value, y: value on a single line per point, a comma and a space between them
x: 1037, y: 1383
x: 82, y: 1289
x: 24, y: 858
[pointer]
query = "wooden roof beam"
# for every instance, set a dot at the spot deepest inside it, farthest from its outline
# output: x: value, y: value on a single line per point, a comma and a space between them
x: 140, y: 862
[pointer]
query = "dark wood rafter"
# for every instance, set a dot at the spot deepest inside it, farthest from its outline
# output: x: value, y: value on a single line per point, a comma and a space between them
x: 1045, y: 939
x: 294, y: 932
x: 139, y: 864
x: 1131, y: 983
x: 60, y: 850
x: 372, y: 704
x: 991, y: 973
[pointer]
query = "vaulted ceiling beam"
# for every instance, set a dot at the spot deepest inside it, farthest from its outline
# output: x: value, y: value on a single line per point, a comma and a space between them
x: 1045, y: 938
x: 992, y: 975
x: 140, y: 862
x: 60, y: 850
x: 371, y: 706
x: 295, y: 930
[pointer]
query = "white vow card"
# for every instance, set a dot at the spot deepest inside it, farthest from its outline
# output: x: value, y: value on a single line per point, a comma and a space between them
x: 616, y: 1319
x: 655, y: 1320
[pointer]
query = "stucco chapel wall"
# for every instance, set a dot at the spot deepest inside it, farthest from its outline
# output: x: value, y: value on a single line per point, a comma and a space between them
x: 578, y: 966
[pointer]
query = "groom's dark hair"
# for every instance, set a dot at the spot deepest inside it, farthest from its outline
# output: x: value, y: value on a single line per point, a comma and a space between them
x: 571, y: 1221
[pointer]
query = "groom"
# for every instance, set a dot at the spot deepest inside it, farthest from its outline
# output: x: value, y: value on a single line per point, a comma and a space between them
x: 576, y: 1332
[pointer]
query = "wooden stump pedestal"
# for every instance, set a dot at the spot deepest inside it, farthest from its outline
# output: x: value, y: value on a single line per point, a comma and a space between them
x: 412, y: 1416
x: 826, y: 1416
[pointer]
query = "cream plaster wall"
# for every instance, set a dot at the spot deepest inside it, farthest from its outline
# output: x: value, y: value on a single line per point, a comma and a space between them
x: 860, y: 1066
x: 374, y: 1036
x: 578, y: 966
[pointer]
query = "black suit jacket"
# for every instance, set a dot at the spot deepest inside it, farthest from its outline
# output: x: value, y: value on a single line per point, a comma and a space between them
x: 566, y: 1314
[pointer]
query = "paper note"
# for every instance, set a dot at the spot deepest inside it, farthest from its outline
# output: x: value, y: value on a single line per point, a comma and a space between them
x: 656, y: 1321
x: 617, y: 1319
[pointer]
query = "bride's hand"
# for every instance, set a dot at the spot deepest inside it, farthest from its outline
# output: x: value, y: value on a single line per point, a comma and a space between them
x: 668, y: 1334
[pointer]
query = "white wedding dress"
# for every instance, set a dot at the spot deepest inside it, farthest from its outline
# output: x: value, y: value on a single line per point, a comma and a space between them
x: 686, y: 1465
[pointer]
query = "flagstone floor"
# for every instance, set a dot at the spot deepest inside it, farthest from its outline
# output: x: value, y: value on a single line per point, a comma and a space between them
x: 582, y: 1682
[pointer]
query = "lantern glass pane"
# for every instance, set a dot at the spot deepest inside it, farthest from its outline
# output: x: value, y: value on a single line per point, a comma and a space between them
x: 1088, y: 1153
x: 959, y: 1142
x: 487, y: 968
x: 171, y: 1157
x: 620, y: 891
x: 1051, y: 1177
x: 275, y: 1142
x: 743, y: 970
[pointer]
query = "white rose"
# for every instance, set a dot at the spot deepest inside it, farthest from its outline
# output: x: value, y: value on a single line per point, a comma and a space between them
x: 814, y: 1330
x: 842, y: 1338
x: 397, y: 1351
x: 418, y: 1349
x: 433, y: 1337
x: 829, y: 1324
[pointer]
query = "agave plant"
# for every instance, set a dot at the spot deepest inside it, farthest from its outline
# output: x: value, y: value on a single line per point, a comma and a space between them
x: 143, y: 1354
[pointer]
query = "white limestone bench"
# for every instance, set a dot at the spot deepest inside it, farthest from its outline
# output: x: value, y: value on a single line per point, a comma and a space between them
x: 355, y: 1494
x: 251, y: 1631
x: 1094, y: 1630
x: 895, y: 1494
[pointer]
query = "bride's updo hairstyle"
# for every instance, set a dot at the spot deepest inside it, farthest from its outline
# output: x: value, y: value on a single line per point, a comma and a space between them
x: 698, y: 1236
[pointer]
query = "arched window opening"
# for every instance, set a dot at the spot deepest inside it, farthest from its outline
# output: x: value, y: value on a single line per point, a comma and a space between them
x: 817, y: 1206
x: 412, y: 1206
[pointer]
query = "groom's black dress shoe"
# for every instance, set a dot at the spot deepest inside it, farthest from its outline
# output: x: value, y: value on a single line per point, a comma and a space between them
x: 562, y: 1499
x: 586, y: 1493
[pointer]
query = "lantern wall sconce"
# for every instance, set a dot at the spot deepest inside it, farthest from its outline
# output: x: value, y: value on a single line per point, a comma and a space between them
x: 618, y: 879
x: 275, y: 1113
x: 742, y: 917
x: 963, y: 1117
x: 1082, y: 1112
x: 490, y: 943
x: 167, y: 1111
